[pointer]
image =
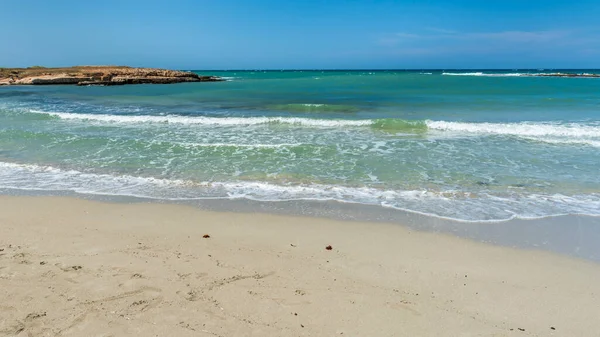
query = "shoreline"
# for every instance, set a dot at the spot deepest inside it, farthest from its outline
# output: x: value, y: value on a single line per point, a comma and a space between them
x: 570, y: 235
x: 97, y: 76
x: 145, y: 268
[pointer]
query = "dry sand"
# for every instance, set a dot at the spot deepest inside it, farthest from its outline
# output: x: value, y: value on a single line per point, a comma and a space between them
x: 72, y: 267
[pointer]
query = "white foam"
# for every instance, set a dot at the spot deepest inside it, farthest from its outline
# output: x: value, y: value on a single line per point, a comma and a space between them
x: 463, y: 74
x: 251, y: 146
x: 36, y: 177
x: 487, y: 74
x: 553, y: 133
x: 202, y: 120
x: 567, y: 133
x: 528, y: 129
x: 450, y: 204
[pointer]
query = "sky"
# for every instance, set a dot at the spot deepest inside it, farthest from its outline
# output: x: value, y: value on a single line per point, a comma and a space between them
x: 308, y: 34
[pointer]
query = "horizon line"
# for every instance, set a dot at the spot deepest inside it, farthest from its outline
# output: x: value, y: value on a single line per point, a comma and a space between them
x: 379, y: 69
x: 310, y: 69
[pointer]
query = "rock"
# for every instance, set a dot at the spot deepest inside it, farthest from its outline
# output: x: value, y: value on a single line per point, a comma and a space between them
x: 584, y: 75
x: 51, y: 79
x: 98, y: 75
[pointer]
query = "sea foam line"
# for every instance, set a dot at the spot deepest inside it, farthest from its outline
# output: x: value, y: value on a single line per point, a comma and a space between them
x: 530, y: 129
x: 451, y: 204
x: 31, y: 176
x: 250, y: 146
x: 568, y: 133
x: 551, y: 133
x: 202, y: 120
x: 487, y: 74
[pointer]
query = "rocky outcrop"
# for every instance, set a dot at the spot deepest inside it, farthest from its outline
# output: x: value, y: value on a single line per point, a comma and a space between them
x: 564, y: 75
x: 98, y: 75
x: 50, y: 79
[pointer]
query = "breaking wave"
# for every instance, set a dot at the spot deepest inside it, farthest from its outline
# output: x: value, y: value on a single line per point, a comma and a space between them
x: 488, y: 74
x: 549, y: 132
x: 568, y: 133
x: 456, y: 205
x: 202, y: 120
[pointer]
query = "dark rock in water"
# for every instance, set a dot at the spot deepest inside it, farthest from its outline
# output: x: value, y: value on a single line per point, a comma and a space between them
x: 564, y: 75
x: 99, y: 83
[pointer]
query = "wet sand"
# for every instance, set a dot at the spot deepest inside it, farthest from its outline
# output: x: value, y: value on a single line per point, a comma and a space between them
x: 71, y: 267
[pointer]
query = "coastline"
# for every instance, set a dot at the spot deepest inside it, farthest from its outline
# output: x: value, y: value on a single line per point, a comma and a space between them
x: 226, y: 141
x: 570, y: 235
x: 97, y: 75
x: 145, y: 268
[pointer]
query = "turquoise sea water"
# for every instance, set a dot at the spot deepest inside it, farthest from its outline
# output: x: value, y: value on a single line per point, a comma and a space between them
x: 465, y: 145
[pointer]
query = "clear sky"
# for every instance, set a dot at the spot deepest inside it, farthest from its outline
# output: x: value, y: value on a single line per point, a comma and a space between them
x: 281, y: 34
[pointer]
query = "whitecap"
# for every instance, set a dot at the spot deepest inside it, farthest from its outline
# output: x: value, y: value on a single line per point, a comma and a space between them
x: 449, y: 204
x: 202, y: 120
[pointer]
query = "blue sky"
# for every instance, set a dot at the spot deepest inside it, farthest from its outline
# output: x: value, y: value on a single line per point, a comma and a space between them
x: 268, y: 34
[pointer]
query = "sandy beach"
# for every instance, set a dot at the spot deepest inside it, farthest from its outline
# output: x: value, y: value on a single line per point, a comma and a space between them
x: 71, y: 267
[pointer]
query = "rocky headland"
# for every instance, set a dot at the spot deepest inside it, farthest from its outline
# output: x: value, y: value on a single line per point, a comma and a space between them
x: 584, y: 75
x: 97, y: 75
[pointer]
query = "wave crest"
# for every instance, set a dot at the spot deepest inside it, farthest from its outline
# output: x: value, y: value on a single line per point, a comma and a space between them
x: 549, y: 132
x: 570, y: 133
x: 450, y: 204
x: 202, y: 120
x: 487, y: 74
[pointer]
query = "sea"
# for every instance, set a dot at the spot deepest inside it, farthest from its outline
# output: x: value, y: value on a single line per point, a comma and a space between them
x: 468, y: 146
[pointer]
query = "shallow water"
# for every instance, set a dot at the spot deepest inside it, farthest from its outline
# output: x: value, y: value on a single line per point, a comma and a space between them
x: 471, y: 148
